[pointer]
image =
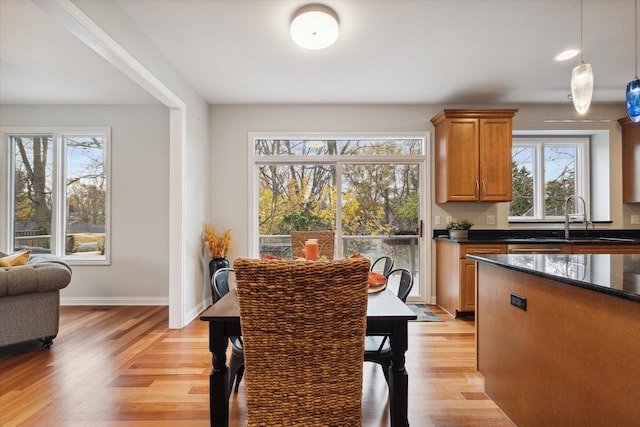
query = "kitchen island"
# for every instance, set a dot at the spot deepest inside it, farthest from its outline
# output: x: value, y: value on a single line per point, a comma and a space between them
x: 558, y: 337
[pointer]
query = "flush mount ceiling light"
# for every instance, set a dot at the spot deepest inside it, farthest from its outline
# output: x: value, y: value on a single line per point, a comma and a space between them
x: 581, y: 80
x: 314, y: 27
x: 633, y: 88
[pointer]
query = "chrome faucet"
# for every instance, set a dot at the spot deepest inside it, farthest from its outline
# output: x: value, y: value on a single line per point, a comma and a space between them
x: 574, y: 217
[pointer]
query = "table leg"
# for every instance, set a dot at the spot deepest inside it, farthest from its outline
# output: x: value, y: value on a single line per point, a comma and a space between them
x: 398, y: 376
x: 218, y: 378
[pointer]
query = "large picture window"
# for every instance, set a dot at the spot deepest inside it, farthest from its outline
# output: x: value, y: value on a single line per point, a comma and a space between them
x: 545, y: 172
x: 366, y: 190
x: 57, y: 189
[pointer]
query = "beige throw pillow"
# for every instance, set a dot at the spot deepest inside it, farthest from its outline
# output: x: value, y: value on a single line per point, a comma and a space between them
x: 17, y: 258
x: 88, y: 247
x: 79, y: 238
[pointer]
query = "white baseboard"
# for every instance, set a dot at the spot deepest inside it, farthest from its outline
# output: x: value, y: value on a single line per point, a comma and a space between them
x: 195, y: 312
x: 113, y: 301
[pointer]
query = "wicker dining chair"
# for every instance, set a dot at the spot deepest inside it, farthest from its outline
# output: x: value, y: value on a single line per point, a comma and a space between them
x: 303, y: 327
x: 376, y: 348
x: 325, y: 243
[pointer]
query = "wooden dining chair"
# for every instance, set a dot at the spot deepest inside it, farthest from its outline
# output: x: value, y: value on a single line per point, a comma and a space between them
x: 377, y: 349
x: 325, y: 243
x: 303, y: 327
x: 220, y: 285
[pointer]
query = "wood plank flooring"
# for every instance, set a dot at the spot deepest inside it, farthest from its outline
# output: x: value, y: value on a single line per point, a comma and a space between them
x: 122, y: 366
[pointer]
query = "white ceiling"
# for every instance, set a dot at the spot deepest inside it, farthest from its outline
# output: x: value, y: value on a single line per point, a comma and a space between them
x: 389, y: 51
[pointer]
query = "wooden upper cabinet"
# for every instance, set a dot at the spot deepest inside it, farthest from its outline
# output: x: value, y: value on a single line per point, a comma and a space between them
x: 473, y: 155
x: 630, y: 160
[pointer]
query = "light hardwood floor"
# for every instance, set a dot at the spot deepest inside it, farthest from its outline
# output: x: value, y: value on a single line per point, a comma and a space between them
x: 122, y: 366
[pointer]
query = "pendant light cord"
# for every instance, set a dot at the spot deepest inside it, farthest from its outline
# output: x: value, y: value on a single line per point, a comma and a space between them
x: 581, y: 31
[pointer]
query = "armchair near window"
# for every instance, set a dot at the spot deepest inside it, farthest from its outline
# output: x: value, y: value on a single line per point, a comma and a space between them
x: 303, y: 327
x: 30, y: 299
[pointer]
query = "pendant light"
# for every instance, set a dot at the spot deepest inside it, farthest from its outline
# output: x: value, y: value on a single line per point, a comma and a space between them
x: 633, y: 88
x: 581, y: 80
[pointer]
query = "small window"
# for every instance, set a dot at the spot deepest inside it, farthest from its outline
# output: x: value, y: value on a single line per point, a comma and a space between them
x: 545, y: 171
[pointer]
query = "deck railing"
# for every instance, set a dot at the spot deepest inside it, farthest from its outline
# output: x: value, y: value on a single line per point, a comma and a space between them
x: 403, y: 248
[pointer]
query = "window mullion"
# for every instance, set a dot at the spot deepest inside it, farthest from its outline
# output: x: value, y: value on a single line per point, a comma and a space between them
x: 338, y: 226
x: 59, y: 196
x: 539, y: 185
x: 7, y: 190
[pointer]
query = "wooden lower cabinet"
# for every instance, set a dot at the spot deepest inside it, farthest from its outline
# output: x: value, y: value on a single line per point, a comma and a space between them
x: 570, y: 359
x: 605, y: 249
x: 467, y: 285
x: 456, y: 275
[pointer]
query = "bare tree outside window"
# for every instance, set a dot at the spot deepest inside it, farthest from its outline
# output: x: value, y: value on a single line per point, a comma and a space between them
x: 522, y: 170
x: 86, y: 184
x: 559, y: 178
x: 82, y: 168
x: 33, y: 177
x: 544, y: 174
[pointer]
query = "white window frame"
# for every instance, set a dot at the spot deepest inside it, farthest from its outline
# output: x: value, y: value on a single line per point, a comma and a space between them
x: 582, y: 187
x: 59, y: 214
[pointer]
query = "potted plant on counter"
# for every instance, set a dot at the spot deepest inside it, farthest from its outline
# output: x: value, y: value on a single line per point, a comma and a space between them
x: 459, y: 229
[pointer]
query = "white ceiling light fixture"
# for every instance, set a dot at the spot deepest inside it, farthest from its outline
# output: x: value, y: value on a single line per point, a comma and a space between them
x: 581, y: 80
x: 314, y: 27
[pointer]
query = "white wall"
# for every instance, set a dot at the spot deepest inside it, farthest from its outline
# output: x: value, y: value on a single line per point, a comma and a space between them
x: 139, y: 270
x: 189, y: 170
x: 229, y: 126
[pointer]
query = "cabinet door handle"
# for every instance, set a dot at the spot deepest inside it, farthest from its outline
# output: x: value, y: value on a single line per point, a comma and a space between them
x: 484, y: 189
x: 483, y: 252
x: 535, y: 251
x: 477, y: 191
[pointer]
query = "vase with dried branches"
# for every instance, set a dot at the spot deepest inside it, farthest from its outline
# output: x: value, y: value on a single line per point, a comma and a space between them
x: 218, y: 245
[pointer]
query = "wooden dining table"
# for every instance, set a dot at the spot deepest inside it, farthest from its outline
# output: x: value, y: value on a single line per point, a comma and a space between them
x: 387, y: 315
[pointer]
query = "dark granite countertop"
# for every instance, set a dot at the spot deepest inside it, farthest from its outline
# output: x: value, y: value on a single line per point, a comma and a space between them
x: 591, y: 237
x: 616, y: 275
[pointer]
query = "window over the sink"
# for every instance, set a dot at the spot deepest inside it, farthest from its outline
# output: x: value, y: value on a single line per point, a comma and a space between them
x: 546, y: 170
